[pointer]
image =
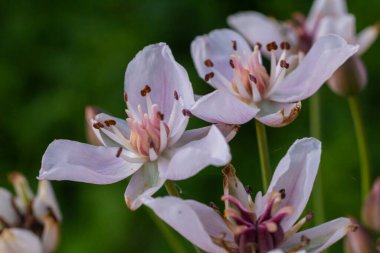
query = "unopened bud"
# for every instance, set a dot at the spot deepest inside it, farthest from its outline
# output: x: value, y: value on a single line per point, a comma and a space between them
x: 350, y: 78
x: 90, y: 113
x: 22, y: 188
x: 371, y: 208
x: 359, y: 240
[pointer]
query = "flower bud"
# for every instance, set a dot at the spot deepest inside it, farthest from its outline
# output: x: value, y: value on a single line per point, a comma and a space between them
x: 22, y: 188
x: 359, y: 240
x: 90, y: 113
x: 350, y: 78
x: 371, y: 208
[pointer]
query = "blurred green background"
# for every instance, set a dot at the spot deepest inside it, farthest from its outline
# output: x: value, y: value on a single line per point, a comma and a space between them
x: 56, y: 57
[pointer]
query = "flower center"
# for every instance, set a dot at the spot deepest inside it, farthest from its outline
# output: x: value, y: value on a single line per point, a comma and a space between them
x: 305, y: 38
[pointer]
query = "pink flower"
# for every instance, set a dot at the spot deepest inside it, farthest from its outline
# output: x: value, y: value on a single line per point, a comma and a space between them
x: 151, y: 144
x: 246, y: 90
x: 267, y: 225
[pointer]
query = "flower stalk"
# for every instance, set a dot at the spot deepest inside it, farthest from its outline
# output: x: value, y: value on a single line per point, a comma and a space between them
x: 362, y: 145
x: 262, y: 143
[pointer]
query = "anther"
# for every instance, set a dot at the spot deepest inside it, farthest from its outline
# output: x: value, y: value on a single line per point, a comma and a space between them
x: 232, y: 64
x: 209, y: 63
x: 309, y: 215
x: 272, y: 46
x: 259, y: 45
x: 160, y: 116
x: 176, y: 97
x: 285, y: 45
x: 119, y: 152
x: 234, y: 45
x: 125, y: 97
x: 252, y: 78
x: 186, y: 112
x: 213, y: 206
x: 209, y: 76
x: 305, y: 240
x: 248, y: 189
x: 284, y: 64
x: 110, y: 122
x: 283, y: 194
x: 145, y: 91
x: 98, y: 125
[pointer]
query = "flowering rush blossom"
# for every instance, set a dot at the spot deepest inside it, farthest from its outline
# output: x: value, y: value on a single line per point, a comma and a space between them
x: 267, y: 225
x: 28, y: 223
x: 151, y: 143
x: 244, y: 88
x: 325, y: 17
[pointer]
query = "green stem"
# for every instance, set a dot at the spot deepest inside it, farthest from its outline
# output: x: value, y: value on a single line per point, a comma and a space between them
x: 167, y: 233
x: 316, y: 132
x: 362, y: 145
x: 172, y: 190
x: 262, y: 143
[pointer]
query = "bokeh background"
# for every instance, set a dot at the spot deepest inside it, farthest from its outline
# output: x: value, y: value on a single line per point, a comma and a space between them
x: 56, y: 57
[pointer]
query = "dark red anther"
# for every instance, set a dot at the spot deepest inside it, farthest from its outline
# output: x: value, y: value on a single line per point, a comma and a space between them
x: 284, y: 64
x: 98, y: 125
x: 125, y: 97
x: 160, y: 116
x: 272, y: 46
x: 176, y: 97
x: 209, y: 63
x: 285, y: 45
x: 232, y: 64
x: 110, y: 122
x: 208, y: 76
x: 309, y: 215
x: 252, y: 78
x: 145, y: 91
x: 248, y: 189
x: 282, y: 193
x: 234, y: 45
x: 186, y: 112
x: 259, y: 45
x: 119, y: 152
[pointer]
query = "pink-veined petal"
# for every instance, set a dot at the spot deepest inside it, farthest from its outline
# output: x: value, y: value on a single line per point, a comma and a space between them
x: 143, y: 184
x: 75, y: 161
x: 276, y: 114
x: 191, y: 158
x: 324, y: 58
x: 367, y: 37
x: 222, y: 107
x: 194, y: 221
x: 217, y: 46
x: 322, y: 236
x: 46, y: 201
x: 156, y: 67
x: 7, y: 211
x: 20, y: 241
x: 295, y: 174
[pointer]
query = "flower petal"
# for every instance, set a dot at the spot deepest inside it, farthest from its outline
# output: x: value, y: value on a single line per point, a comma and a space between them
x: 189, y: 159
x: 50, y: 234
x: 7, y: 211
x: 327, y: 55
x: 343, y: 26
x: 278, y: 114
x: 295, y: 174
x: 222, y: 107
x: 143, y: 184
x: 70, y: 160
x: 20, y: 241
x: 367, y: 37
x: 46, y: 201
x: 156, y: 67
x: 217, y: 46
x: 322, y: 236
x: 194, y: 221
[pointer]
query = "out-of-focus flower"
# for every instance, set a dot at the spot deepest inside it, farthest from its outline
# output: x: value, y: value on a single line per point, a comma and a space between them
x: 325, y: 17
x: 28, y: 223
x: 371, y: 208
x: 244, y: 88
x: 359, y: 240
x: 267, y: 224
x: 151, y: 143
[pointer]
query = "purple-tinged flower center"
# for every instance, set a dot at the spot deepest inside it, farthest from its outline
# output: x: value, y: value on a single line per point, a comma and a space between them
x: 250, y: 80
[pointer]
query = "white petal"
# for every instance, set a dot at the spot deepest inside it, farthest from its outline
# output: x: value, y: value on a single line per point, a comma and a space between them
x: 326, y: 56
x: 191, y: 158
x: 295, y: 174
x: 343, y: 26
x: 322, y: 236
x: 121, y: 126
x: 367, y: 37
x: 195, y: 221
x: 45, y: 201
x: 50, y: 235
x: 7, y: 211
x: 20, y: 241
x: 155, y: 66
x: 217, y: 47
x: 222, y: 107
x: 70, y: 160
x: 143, y: 184
x: 278, y: 114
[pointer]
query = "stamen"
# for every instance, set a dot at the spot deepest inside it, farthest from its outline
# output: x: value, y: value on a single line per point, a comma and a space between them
x: 259, y: 46
x: 119, y: 152
x: 145, y: 91
x: 176, y: 97
x: 284, y: 64
x: 98, y: 125
x: 125, y: 97
x: 209, y: 63
x: 160, y: 116
x: 285, y: 45
x: 234, y: 45
x: 272, y: 46
x: 187, y: 113
x: 208, y: 76
x: 232, y: 64
x: 248, y: 189
x: 252, y: 78
x: 163, y: 137
x: 283, y: 194
x: 110, y: 122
